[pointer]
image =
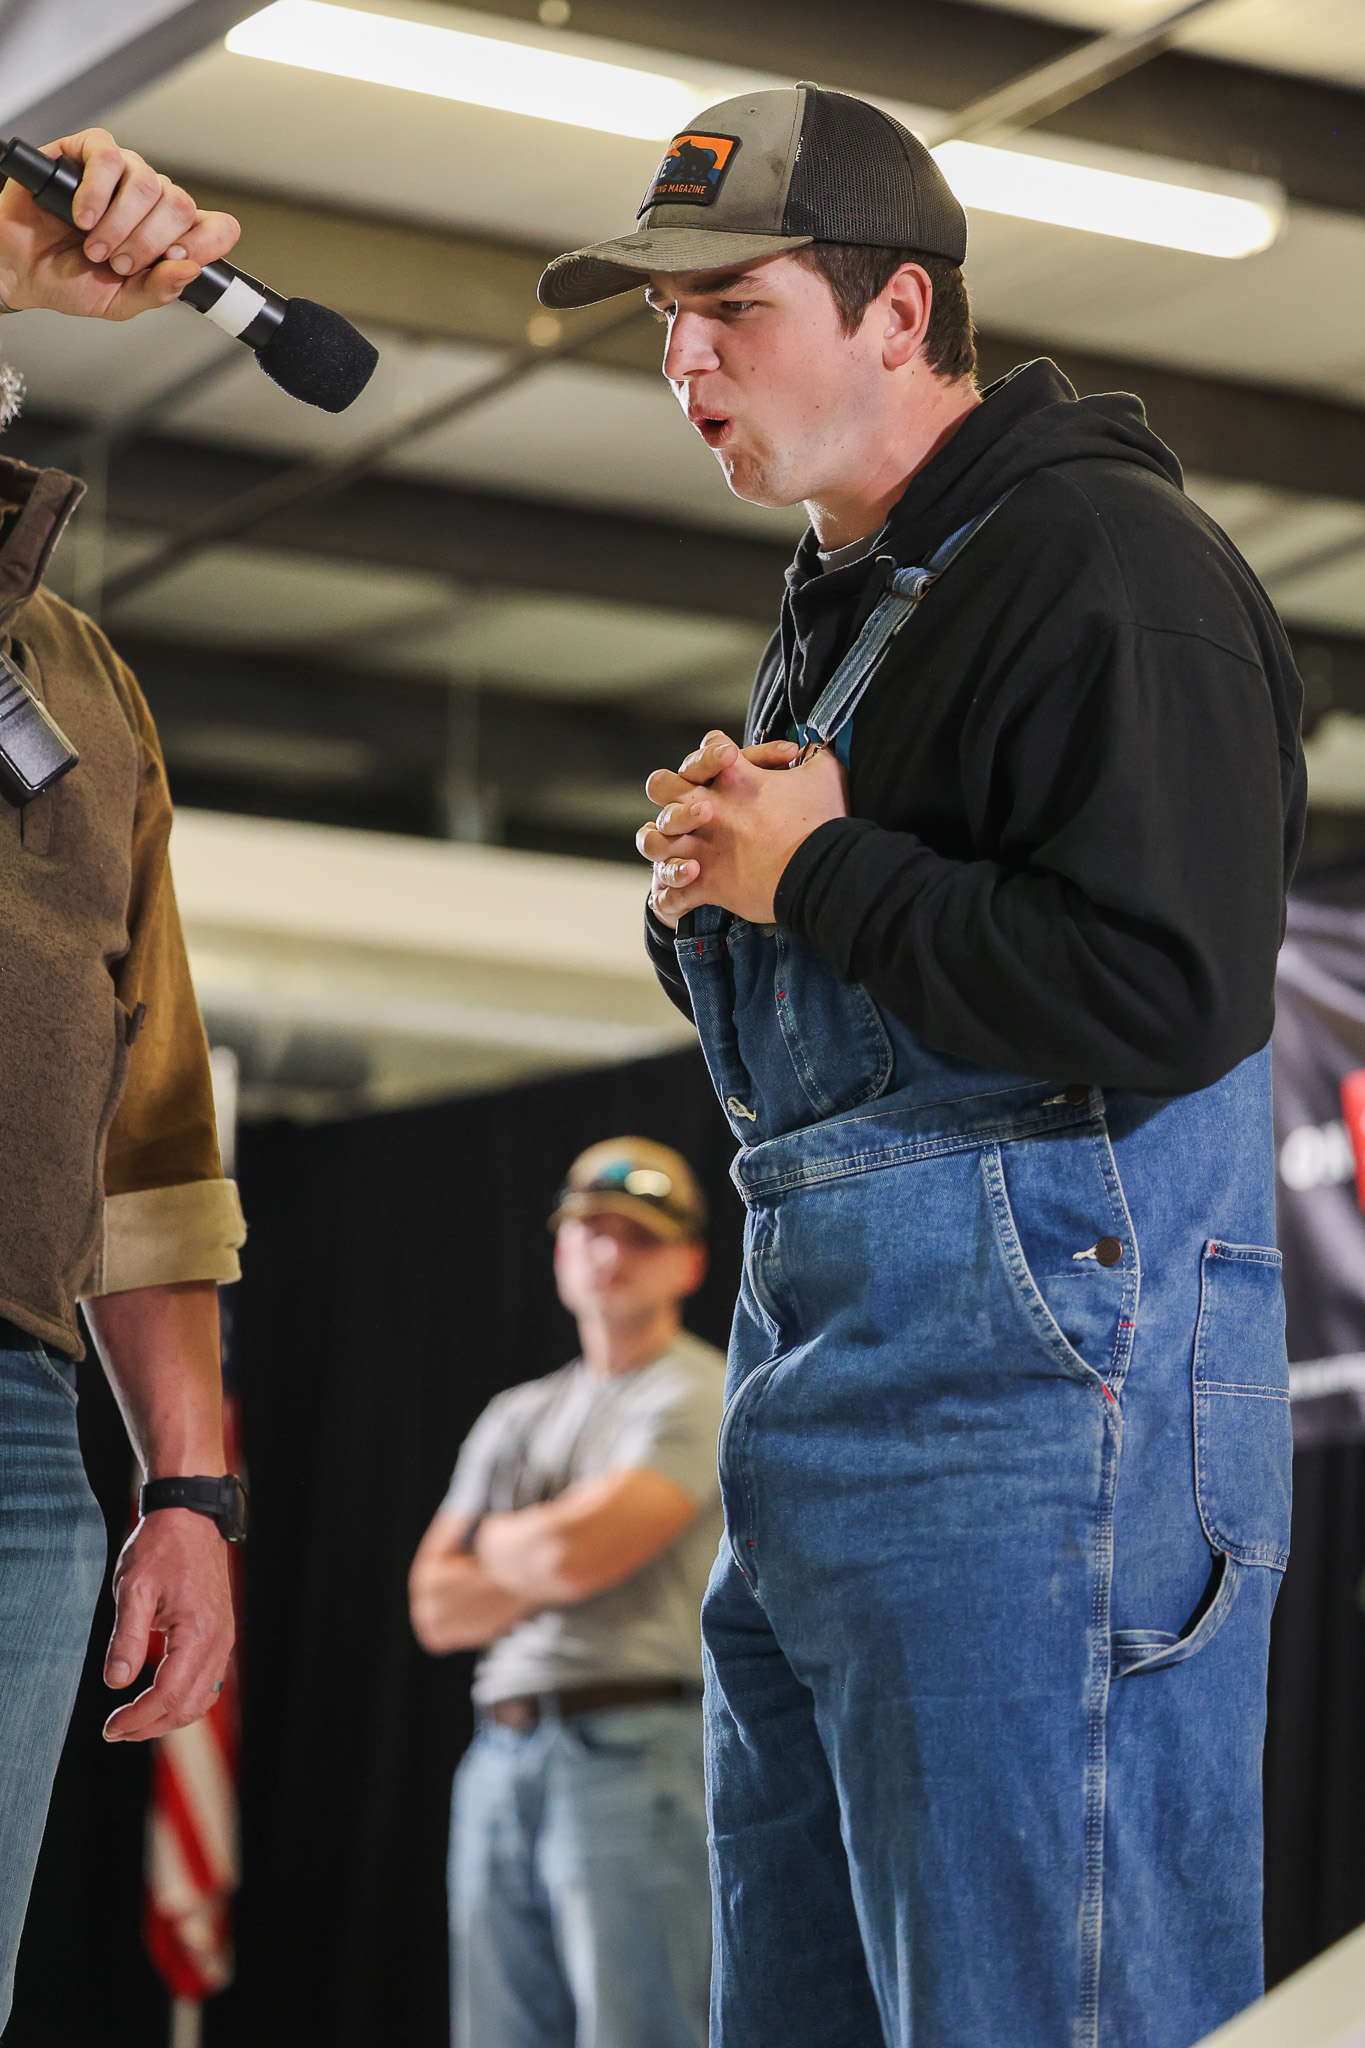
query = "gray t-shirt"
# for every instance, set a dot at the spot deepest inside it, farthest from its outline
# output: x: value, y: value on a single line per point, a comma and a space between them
x: 532, y: 1442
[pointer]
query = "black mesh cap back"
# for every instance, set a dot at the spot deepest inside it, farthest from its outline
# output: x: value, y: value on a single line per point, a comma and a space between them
x: 860, y: 177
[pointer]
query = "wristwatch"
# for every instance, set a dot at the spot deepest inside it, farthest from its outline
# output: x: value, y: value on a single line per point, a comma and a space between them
x: 222, y: 1500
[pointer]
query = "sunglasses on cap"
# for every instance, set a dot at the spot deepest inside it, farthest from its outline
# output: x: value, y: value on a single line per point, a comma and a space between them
x: 624, y: 1177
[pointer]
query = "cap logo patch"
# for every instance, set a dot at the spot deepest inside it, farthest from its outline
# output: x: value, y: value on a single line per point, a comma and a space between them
x: 692, y: 172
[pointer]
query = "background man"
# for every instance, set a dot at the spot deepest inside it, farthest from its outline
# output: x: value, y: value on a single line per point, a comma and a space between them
x: 111, y: 1190
x: 575, y: 1543
x: 985, y: 988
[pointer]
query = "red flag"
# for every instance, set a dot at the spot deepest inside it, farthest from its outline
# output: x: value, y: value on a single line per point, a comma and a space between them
x: 193, y: 1858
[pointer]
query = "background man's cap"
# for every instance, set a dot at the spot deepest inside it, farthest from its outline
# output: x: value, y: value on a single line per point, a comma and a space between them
x: 634, y: 1177
x: 767, y: 172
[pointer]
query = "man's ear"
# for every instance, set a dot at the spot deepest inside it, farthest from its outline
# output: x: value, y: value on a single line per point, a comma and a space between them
x: 908, y: 299
x: 699, y: 1263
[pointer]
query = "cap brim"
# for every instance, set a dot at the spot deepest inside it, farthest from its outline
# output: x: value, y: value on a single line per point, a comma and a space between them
x: 586, y: 275
x: 592, y: 1203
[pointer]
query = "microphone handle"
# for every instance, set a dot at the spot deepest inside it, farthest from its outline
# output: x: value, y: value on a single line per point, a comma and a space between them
x: 232, y: 299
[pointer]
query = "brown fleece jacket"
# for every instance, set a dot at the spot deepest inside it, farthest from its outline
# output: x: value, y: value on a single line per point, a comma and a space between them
x: 104, y: 1074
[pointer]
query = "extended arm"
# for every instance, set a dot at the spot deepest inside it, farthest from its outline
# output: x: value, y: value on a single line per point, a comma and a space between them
x: 172, y: 1228
x: 160, y: 1349
x: 594, y: 1535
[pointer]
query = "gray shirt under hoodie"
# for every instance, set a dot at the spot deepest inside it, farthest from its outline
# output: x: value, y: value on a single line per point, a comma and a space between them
x: 535, y: 1440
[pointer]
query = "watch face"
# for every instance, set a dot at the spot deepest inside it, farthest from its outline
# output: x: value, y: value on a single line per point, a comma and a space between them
x: 233, y: 1519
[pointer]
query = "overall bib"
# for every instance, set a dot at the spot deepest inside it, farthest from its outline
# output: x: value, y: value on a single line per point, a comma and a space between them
x: 1005, y: 1463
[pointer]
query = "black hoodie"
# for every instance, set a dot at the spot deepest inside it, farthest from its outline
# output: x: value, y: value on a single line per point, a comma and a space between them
x: 1075, y: 783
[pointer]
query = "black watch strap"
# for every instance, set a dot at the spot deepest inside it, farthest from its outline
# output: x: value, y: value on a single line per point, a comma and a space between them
x: 222, y: 1500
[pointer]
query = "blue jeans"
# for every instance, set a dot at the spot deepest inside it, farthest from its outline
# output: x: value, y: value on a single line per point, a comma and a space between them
x: 52, y: 1557
x: 1005, y: 1463
x: 579, y: 1899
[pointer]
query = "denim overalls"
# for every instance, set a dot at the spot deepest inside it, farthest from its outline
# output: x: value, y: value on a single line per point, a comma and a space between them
x: 1005, y: 1463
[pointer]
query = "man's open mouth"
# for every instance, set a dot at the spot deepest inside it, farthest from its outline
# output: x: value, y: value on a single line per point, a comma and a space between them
x: 714, y: 427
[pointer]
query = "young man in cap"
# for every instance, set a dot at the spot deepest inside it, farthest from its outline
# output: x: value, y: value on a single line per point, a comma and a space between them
x: 985, y: 985
x: 573, y: 1547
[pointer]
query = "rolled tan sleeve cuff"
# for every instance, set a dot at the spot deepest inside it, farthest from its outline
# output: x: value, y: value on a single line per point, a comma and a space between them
x: 160, y: 1235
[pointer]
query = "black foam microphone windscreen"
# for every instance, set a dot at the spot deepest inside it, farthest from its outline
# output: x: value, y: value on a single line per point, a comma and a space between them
x: 317, y: 356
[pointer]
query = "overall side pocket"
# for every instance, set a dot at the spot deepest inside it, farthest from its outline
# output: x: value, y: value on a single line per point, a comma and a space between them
x: 1243, y: 1441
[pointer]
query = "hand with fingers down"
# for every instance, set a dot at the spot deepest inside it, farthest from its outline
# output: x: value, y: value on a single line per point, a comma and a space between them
x: 171, y: 1580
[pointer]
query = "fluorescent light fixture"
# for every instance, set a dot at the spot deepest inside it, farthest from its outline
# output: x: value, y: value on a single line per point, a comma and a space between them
x: 516, y: 78
x: 1071, y: 195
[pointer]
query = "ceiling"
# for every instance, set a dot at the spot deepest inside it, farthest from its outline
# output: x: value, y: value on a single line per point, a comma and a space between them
x: 320, y: 672
x: 582, y: 434
x: 1315, y: 38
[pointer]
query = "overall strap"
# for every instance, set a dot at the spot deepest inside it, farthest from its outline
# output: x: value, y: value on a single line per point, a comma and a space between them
x: 842, y: 694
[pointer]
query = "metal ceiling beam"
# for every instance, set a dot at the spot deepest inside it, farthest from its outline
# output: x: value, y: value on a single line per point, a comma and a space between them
x: 300, y: 488
x: 403, y: 724
x: 384, y: 752
x: 62, y: 62
x: 419, y: 280
x: 1236, y: 432
x: 945, y: 53
x: 1218, y: 426
x: 431, y: 283
x: 289, y: 739
x: 473, y: 537
x: 1026, y: 101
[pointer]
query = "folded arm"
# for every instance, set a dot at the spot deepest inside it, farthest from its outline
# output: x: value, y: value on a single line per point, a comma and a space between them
x: 593, y: 1536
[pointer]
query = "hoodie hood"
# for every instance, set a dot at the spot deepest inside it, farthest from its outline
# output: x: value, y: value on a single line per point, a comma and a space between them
x: 1029, y: 421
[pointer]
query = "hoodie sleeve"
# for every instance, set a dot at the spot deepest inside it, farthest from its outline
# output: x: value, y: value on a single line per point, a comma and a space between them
x: 663, y: 958
x: 1125, y: 928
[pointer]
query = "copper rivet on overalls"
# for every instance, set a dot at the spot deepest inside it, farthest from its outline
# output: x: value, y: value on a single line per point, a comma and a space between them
x: 1109, y: 1251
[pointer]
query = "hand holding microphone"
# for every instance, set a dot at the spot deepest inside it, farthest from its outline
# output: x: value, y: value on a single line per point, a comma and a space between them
x: 91, y: 229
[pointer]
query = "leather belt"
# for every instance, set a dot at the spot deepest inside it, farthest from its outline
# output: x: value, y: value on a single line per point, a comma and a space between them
x: 525, y: 1711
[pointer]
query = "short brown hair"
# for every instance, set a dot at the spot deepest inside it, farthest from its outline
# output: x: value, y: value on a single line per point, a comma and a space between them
x: 856, y: 275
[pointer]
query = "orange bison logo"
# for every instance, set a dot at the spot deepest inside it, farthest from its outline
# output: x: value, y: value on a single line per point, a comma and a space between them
x: 692, y: 171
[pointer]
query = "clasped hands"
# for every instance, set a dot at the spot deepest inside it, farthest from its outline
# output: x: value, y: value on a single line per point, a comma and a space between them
x: 731, y: 819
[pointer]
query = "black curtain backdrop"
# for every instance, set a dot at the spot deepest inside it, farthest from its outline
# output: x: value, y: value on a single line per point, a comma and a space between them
x: 398, y: 1274
x: 1315, y: 1747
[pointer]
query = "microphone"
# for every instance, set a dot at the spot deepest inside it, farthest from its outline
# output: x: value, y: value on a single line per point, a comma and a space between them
x: 308, y: 350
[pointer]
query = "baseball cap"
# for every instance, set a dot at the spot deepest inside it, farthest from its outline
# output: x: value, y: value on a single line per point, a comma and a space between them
x: 767, y: 172
x: 634, y: 1177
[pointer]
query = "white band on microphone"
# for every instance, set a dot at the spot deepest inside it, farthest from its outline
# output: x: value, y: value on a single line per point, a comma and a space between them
x: 238, y: 306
